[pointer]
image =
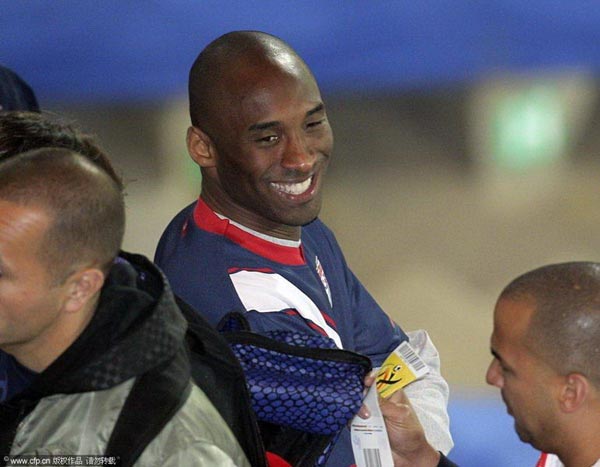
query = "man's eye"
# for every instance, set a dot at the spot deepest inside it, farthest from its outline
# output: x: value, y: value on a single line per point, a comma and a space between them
x: 315, y: 124
x: 268, y: 139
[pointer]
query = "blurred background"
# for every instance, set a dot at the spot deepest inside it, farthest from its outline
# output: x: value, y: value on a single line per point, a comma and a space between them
x: 467, y: 141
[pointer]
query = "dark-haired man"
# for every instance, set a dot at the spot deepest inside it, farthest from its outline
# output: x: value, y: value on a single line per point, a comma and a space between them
x: 22, y: 131
x: 262, y: 139
x: 546, y: 346
x: 95, y: 331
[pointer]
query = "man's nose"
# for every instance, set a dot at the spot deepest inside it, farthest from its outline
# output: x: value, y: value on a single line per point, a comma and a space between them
x: 298, y: 155
x: 493, y: 375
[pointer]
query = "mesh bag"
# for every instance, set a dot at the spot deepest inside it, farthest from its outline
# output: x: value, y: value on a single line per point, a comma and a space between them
x: 304, y: 390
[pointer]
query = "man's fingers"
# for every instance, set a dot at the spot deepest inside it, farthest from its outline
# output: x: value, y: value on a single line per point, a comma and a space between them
x: 363, y: 412
x: 397, y: 409
x: 399, y: 397
x: 370, y: 378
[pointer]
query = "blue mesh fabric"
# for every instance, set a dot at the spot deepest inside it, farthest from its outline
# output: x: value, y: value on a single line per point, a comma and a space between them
x: 314, y: 395
x: 299, y: 381
x: 302, y: 340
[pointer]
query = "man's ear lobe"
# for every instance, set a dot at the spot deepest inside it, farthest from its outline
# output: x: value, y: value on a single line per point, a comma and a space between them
x: 574, y: 393
x: 83, y: 287
x: 200, y: 147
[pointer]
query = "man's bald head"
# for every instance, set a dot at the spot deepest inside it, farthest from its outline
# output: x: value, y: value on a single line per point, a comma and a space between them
x: 565, y: 326
x: 231, y: 61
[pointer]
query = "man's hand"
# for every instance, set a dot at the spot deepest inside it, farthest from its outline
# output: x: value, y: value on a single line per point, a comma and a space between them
x: 407, y: 438
x: 405, y: 433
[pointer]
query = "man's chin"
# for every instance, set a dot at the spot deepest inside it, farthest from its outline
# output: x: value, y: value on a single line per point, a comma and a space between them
x: 523, y: 434
x: 309, y: 220
x: 300, y: 217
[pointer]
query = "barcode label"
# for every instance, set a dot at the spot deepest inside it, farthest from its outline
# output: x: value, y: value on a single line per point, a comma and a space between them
x: 400, y: 368
x: 370, y: 443
x: 410, y: 357
x: 372, y: 458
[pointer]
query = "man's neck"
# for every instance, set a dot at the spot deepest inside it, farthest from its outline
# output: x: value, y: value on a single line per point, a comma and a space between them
x: 251, y: 220
x: 575, y: 460
x: 582, y: 449
x: 269, y: 238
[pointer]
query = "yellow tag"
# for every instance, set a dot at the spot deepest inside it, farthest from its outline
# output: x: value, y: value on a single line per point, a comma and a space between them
x: 394, y: 374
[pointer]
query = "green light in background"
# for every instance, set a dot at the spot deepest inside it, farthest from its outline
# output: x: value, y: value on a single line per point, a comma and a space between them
x: 529, y: 128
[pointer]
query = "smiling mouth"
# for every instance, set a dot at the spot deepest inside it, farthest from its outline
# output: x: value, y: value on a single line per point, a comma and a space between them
x: 388, y: 381
x: 293, y: 189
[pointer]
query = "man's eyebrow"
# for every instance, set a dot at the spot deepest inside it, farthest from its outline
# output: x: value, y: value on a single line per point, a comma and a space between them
x: 316, y: 109
x: 266, y: 125
x: 498, y: 357
x: 263, y: 126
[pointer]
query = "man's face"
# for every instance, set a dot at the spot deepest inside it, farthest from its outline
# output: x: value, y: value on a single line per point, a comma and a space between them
x: 29, y: 301
x: 527, y: 383
x: 273, y: 142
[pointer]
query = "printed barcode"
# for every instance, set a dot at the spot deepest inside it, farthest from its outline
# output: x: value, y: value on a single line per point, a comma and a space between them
x: 411, y: 357
x: 372, y: 457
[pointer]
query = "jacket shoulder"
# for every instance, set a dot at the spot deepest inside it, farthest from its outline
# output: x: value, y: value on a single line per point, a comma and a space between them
x: 45, y: 429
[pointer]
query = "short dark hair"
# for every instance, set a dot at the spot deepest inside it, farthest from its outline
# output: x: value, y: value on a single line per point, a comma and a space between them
x: 565, y: 326
x: 24, y: 131
x: 85, y: 205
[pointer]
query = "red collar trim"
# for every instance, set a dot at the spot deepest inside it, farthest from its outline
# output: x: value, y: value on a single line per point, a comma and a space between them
x: 206, y: 219
x: 542, y: 460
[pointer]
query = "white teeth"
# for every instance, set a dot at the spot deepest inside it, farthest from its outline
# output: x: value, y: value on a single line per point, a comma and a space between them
x: 293, y: 188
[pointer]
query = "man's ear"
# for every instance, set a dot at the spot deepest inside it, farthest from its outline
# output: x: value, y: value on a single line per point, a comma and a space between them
x: 82, y: 287
x: 200, y: 147
x: 574, y: 392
